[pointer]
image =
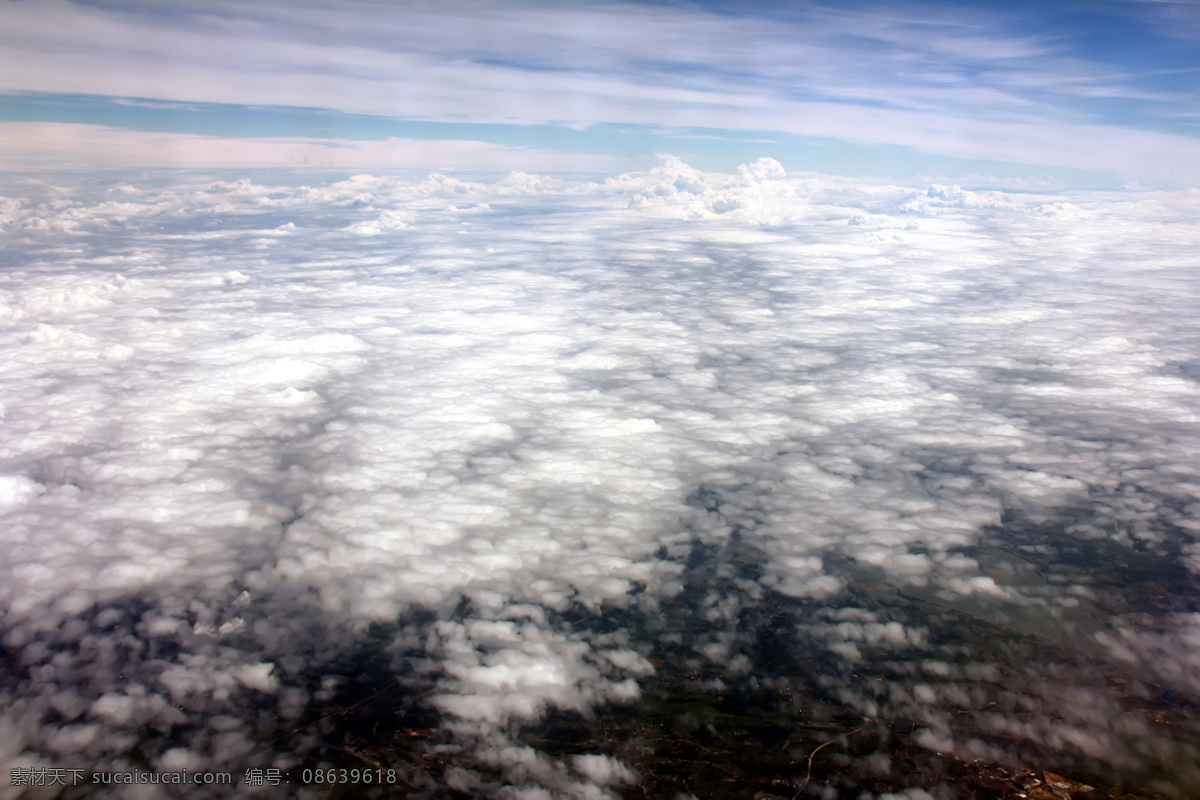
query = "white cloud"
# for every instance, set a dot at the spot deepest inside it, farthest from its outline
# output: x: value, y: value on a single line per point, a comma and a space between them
x: 42, y: 145
x: 237, y: 435
x: 974, y: 85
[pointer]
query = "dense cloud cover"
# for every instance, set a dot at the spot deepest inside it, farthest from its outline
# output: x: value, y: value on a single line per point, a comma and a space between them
x: 494, y: 439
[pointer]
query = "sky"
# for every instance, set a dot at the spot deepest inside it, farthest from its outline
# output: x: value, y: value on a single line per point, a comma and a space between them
x: 1085, y: 93
x: 576, y: 401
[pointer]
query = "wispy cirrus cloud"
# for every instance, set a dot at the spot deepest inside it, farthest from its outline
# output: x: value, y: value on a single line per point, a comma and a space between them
x: 982, y: 83
x: 56, y: 145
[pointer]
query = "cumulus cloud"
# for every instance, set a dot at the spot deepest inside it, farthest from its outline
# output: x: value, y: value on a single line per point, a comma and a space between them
x: 523, y: 461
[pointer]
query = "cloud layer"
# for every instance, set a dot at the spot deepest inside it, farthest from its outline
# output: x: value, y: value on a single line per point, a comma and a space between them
x: 530, y: 449
x: 1037, y: 88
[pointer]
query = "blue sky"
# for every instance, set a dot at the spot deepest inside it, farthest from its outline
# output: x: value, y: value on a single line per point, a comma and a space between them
x: 1086, y: 93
